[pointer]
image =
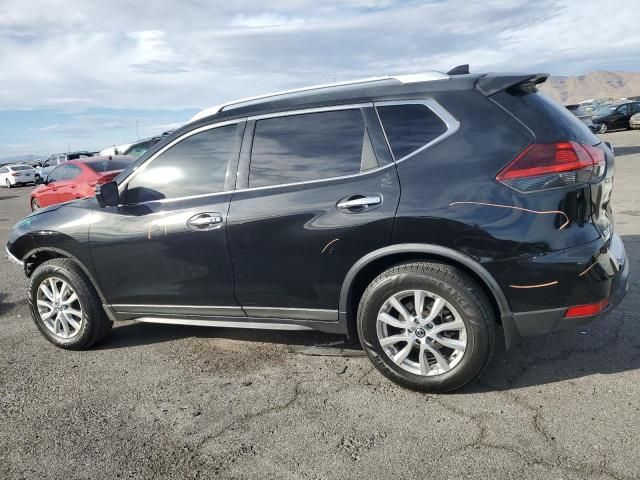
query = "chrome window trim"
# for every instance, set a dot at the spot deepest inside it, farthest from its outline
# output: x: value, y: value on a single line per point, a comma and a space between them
x: 452, y: 124
x: 184, y: 136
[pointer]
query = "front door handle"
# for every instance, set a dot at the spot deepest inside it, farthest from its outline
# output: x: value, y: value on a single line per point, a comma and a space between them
x: 205, y: 221
x: 359, y: 203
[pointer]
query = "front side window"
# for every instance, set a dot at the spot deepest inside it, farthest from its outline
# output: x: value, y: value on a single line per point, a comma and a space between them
x: 196, y: 165
x: 56, y: 174
x: 311, y: 146
x: 623, y: 110
x: 71, y: 172
x: 409, y: 127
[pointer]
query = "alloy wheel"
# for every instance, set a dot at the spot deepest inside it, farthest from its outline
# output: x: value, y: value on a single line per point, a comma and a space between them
x: 59, y: 308
x: 603, y: 128
x: 421, y: 332
x: 35, y: 205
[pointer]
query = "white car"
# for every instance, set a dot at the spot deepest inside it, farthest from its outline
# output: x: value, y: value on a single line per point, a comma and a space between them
x: 115, y: 150
x: 12, y: 175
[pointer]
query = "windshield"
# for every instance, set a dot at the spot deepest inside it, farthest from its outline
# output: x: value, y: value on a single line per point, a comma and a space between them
x: 107, y: 165
x: 138, y: 149
x: 606, y: 110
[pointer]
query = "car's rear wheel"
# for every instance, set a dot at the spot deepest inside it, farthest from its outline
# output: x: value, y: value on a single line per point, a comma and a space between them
x: 35, y: 204
x: 8, y: 183
x: 427, y: 326
x: 65, y: 307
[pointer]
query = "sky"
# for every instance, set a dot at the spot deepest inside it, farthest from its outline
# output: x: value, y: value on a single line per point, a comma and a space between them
x: 87, y: 74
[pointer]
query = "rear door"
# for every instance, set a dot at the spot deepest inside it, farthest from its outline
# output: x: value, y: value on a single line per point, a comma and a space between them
x: 317, y: 190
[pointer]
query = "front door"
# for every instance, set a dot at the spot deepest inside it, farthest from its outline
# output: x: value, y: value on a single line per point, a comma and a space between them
x: 49, y: 193
x: 317, y: 192
x: 164, y: 250
x: 67, y: 187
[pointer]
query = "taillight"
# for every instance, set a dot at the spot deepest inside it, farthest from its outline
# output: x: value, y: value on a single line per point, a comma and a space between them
x: 589, y: 309
x: 15, y: 174
x: 551, y: 165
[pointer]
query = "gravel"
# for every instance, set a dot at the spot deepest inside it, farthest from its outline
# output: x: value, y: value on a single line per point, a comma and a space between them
x: 185, y: 402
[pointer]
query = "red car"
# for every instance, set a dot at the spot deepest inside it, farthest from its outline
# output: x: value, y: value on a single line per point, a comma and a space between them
x: 77, y: 179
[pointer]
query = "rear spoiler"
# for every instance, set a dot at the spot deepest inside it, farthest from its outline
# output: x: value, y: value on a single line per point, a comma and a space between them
x: 496, y: 82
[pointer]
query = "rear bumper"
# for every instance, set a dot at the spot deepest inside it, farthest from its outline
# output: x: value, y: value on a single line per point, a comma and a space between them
x: 610, y: 268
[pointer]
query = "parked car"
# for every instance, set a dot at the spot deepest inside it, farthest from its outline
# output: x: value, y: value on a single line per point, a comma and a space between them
x: 138, y: 148
x: 115, y: 150
x: 285, y: 212
x: 57, y: 159
x: 76, y: 179
x: 12, y: 175
x: 615, y: 116
x: 634, y: 121
x: 584, y: 116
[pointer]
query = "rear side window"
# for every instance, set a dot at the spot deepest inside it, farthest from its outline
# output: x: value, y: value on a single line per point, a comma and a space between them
x: 195, y: 166
x: 18, y: 168
x: 311, y: 146
x: 409, y: 127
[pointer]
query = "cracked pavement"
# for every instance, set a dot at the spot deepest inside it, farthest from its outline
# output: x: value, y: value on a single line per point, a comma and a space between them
x: 184, y: 402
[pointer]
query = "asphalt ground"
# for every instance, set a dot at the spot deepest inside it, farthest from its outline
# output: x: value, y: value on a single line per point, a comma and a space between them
x: 184, y: 402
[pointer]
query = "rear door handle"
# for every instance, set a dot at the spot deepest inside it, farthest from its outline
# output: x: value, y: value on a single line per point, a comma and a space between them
x: 359, y: 203
x: 205, y: 221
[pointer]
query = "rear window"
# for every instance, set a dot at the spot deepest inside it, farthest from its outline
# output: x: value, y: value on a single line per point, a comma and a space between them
x: 107, y: 165
x: 546, y: 118
x: 20, y: 167
x: 409, y: 127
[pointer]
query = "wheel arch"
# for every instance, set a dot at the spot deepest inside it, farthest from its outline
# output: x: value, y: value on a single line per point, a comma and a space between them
x: 36, y: 257
x: 372, y: 264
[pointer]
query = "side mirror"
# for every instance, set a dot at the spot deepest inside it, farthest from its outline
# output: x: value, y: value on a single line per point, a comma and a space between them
x: 40, y: 181
x: 107, y: 194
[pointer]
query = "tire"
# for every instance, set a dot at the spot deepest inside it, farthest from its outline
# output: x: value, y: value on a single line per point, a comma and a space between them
x: 35, y: 204
x: 92, y: 325
x: 8, y: 183
x: 463, y: 305
x: 603, y: 128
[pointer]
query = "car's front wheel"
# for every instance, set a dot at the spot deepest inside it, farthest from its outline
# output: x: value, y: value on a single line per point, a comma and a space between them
x: 604, y: 128
x: 427, y: 326
x: 35, y: 204
x: 65, y: 307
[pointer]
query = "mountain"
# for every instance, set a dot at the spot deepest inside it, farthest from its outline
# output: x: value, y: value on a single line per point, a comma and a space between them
x: 600, y: 84
x: 17, y: 159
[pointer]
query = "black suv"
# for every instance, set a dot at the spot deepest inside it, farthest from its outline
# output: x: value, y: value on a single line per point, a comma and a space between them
x: 414, y: 213
x: 614, y: 116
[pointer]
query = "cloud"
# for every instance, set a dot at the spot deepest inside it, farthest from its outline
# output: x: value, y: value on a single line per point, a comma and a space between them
x: 123, y: 54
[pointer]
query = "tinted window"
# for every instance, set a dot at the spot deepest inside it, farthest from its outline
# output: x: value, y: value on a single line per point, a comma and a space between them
x: 3, y: 170
x: 197, y: 165
x: 635, y: 108
x: 138, y: 149
x: 107, y: 165
x: 56, y: 174
x: 307, y: 147
x: 409, y: 127
x: 623, y: 109
x: 18, y: 168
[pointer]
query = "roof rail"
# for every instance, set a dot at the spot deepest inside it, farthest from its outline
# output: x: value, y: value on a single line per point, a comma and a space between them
x: 408, y: 78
